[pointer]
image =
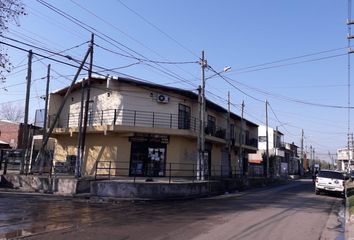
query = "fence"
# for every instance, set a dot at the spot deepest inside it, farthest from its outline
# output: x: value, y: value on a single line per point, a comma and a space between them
x: 139, y: 119
x: 186, y: 171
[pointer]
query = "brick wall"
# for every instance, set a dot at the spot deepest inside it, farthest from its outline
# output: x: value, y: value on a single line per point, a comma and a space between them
x: 10, y: 133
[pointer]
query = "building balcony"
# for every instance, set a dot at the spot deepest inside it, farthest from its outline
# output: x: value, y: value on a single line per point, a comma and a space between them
x: 118, y: 118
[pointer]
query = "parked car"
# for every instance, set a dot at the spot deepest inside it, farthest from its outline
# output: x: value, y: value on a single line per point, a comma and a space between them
x: 352, y: 175
x: 330, y: 181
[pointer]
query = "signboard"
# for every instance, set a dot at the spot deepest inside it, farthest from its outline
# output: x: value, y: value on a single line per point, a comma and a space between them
x: 140, y: 137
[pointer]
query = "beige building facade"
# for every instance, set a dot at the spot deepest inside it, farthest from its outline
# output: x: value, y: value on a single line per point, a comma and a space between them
x: 137, y: 128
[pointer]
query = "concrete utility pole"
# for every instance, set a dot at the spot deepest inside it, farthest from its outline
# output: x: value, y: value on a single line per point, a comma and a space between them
x: 302, y: 151
x: 201, y: 151
x: 46, y: 101
x: 42, y: 158
x: 240, y: 150
x: 25, y: 133
x: 228, y: 132
x: 267, y: 139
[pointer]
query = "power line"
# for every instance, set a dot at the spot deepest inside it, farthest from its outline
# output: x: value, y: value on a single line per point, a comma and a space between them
x: 238, y: 89
x: 146, y: 60
x: 295, y: 63
x: 157, y: 28
x: 290, y: 58
x: 98, y: 34
x: 285, y: 98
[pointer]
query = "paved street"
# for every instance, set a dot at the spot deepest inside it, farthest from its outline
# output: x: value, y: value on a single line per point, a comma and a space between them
x: 290, y: 211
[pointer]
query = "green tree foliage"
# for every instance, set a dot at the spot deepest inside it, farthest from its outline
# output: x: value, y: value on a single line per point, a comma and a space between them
x: 10, y: 11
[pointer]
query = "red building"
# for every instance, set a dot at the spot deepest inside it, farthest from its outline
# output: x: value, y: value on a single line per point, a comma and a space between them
x: 11, y: 133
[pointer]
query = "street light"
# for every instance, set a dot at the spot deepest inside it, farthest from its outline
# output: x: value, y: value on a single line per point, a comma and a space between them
x: 226, y: 69
x: 201, y: 135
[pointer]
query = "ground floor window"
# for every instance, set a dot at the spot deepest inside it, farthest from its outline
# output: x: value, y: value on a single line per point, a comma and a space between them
x: 148, y: 159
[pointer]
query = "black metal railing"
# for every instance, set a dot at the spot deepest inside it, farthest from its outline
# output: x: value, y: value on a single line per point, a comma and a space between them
x: 137, y: 118
x: 172, y: 171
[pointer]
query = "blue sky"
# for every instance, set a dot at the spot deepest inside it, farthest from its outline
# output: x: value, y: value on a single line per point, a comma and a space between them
x: 240, y: 34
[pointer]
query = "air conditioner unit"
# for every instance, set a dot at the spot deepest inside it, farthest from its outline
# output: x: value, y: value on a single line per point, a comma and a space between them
x: 162, y: 98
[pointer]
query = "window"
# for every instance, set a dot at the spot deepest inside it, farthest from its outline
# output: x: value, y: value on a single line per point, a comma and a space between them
x: 232, y: 131
x: 329, y: 174
x: 262, y: 139
x: 211, y: 126
x: 184, y: 117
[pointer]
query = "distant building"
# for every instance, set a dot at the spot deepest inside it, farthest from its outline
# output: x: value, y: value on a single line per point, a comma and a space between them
x: 343, y: 156
x: 11, y: 133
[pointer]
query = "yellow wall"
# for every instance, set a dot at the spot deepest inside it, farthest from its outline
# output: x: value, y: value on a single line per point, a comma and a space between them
x: 98, y: 148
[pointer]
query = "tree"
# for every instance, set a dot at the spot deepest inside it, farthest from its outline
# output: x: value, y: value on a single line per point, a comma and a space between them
x: 11, y: 112
x: 10, y: 11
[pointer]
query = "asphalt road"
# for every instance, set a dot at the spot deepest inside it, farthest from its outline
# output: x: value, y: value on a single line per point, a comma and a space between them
x: 289, y: 211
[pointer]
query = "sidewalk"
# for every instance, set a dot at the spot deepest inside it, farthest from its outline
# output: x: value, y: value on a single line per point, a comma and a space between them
x: 349, y: 221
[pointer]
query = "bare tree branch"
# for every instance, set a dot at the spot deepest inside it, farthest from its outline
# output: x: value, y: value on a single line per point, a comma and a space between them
x: 10, y: 11
x: 11, y: 112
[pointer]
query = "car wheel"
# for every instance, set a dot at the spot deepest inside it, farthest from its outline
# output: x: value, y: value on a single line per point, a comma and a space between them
x: 317, y: 192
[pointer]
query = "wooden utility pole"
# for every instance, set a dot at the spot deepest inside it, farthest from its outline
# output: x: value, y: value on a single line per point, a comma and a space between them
x: 267, y: 139
x: 56, y: 117
x: 25, y: 133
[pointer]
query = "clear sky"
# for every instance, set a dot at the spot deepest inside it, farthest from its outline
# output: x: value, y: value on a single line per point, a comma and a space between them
x: 309, y: 37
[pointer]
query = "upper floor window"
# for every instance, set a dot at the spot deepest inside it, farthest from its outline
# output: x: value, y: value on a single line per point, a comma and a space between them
x: 184, y: 116
x: 262, y: 139
x: 211, y: 125
x: 232, y: 131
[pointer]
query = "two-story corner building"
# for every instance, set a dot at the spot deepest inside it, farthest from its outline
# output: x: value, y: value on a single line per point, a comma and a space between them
x: 144, y: 129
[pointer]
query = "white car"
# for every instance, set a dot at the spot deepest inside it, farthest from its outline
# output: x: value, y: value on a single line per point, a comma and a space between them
x: 330, y: 181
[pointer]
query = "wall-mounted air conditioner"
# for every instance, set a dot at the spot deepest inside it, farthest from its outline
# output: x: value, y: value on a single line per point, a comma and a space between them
x: 162, y: 98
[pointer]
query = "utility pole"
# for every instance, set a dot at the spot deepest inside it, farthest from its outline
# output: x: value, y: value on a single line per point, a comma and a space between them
x: 25, y: 133
x: 267, y: 139
x: 42, y: 158
x: 46, y: 101
x: 350, y: 51
x: 228, y: 132
x: 56, y: 117
x: 240, y: 150
x: 201, y: 152
x: 302, y: 152
x: 87, y: 102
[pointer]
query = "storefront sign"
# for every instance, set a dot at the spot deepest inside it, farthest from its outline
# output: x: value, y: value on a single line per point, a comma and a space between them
x: 150, y: 138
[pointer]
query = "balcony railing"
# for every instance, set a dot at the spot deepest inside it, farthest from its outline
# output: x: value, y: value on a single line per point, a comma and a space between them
x: 136, y: 118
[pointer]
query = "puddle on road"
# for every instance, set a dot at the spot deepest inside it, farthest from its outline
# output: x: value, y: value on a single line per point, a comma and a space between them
x: 26, y: 232
x: 341, y: 220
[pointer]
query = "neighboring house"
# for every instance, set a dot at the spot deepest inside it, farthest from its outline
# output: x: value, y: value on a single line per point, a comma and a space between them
x: 145, y: 129
x: 343, y: 156
x: 11, y: 133
x: 292, y: 160
x: 278, y: 165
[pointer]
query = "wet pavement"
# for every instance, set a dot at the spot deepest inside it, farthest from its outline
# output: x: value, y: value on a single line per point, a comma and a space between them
x: 290, y: 211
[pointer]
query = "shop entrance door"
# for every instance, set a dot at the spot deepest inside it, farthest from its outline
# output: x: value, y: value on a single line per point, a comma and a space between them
x: 148, y: 159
